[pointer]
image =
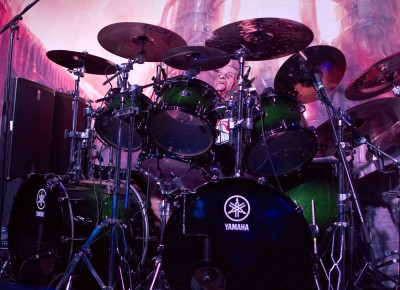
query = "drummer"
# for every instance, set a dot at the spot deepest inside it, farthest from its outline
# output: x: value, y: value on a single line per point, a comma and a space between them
x: 225, y: 83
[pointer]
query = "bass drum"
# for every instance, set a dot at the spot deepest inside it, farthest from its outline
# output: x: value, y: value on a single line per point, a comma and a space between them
x: 183, y: 122
x: 106, y: 125
x: 49, y: 221
x: 282, y: 142
x: 241, y: 235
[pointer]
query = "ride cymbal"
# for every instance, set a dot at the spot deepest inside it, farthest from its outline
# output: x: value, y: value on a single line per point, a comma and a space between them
x: 264, y: 38
x: 128, y: 39
x: 187, y: 57
x: 294, y: 75
x: 72, y: 59
x: 375, y: 80
x: 370, y: 119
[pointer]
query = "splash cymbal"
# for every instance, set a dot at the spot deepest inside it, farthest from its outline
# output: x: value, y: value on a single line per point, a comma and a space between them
x: 369, y: 119
x: 264, y: 38
x: 72, y: 59
x: 187, y: 57
x: 293, y: 76
x: 128, y: 39
x: 379, y: 78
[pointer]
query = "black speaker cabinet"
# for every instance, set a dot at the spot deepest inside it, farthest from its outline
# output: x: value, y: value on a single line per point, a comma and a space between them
x: 29, y: 139
x: 63, y: 116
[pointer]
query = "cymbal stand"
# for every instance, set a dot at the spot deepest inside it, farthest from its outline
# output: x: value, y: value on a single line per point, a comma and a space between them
x: 75, y: 168
x: 238, y: 130
x: 338, y: 270
x: 165, y: 212
x: 114, y: 221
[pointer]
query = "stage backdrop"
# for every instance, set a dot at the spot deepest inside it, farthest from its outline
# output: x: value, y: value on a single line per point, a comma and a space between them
x: 365, y: 31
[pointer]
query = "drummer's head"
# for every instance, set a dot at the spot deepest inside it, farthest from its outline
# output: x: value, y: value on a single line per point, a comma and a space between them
x: 226, y: 80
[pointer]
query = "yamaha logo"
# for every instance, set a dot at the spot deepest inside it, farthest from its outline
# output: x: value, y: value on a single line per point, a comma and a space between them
x: 237, y: 208
x: 41, y: 199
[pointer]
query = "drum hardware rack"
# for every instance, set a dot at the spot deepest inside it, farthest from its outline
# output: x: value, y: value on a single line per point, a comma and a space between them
x: 75, y: 170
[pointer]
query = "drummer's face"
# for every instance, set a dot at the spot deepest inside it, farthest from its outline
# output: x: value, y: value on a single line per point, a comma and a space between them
x: 226, y: 79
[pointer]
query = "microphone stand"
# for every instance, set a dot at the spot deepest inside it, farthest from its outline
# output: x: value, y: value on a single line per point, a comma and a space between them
x: 338, y: 269
x: 240, y: 54
x: 7, y: 101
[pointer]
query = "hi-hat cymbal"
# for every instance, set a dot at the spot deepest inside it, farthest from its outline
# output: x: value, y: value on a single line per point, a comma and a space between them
x: 375, y: 80
x: 187, y: 57
x: 293, y: 76
x: 72, y: 59
x: 369, y: 119
x: 264, y: 38
x: 128, y: 39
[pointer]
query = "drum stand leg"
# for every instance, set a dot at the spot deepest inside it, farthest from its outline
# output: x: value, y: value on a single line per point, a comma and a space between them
x: 158, y: 274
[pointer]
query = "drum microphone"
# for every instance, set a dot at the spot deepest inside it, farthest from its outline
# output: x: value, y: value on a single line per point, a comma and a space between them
x: 190, y: 74
x: 377, y: 158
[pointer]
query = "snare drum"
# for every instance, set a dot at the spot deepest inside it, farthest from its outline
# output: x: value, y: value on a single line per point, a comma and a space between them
x: 242, y: 235
x: 281, y: 141
x: 49, y: 221
x: 183, y: 122
x: 164, y: 167
x: 106, y: 125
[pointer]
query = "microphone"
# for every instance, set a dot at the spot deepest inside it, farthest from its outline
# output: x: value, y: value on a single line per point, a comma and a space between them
x: 318, y: 82
x: 246, y: 78
x: 88, y: 114
x: 190, y: 74
x: 377, y: 157
x: 246, y: 75
x: 163, y: 73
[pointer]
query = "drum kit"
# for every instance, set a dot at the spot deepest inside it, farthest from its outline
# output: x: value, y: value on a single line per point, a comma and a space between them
x: 236, y: 232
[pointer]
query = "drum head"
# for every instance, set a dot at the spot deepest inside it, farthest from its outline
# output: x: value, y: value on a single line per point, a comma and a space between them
x: 240, y: 234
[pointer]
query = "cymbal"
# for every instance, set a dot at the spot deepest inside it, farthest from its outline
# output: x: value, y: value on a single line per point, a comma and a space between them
x: 72, y: 59
x: 375, y: 80
x: 369, y: 119
x: 265, y: 38
x: 128, y: 39
x: 293, y: 75
x: 186, y: 57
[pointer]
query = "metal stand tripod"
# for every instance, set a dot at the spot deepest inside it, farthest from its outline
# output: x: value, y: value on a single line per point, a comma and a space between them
x: 347, y: 197
x: 114, y: 222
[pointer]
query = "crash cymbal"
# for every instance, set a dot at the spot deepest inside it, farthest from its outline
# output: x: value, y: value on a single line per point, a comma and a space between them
x: 127, y: 39
x: 375, y: 80
x: 187, y: 57
x: 369, y: 119
x: 265, y: 38
x: 72, y: 59
x: 294, y: 75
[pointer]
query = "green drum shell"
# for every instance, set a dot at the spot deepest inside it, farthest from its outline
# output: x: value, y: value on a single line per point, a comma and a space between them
x: 184, y: 119
x: 106, y: 125
x: 282, y: 143
x: 318, y: 182
x: 278, y: 111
